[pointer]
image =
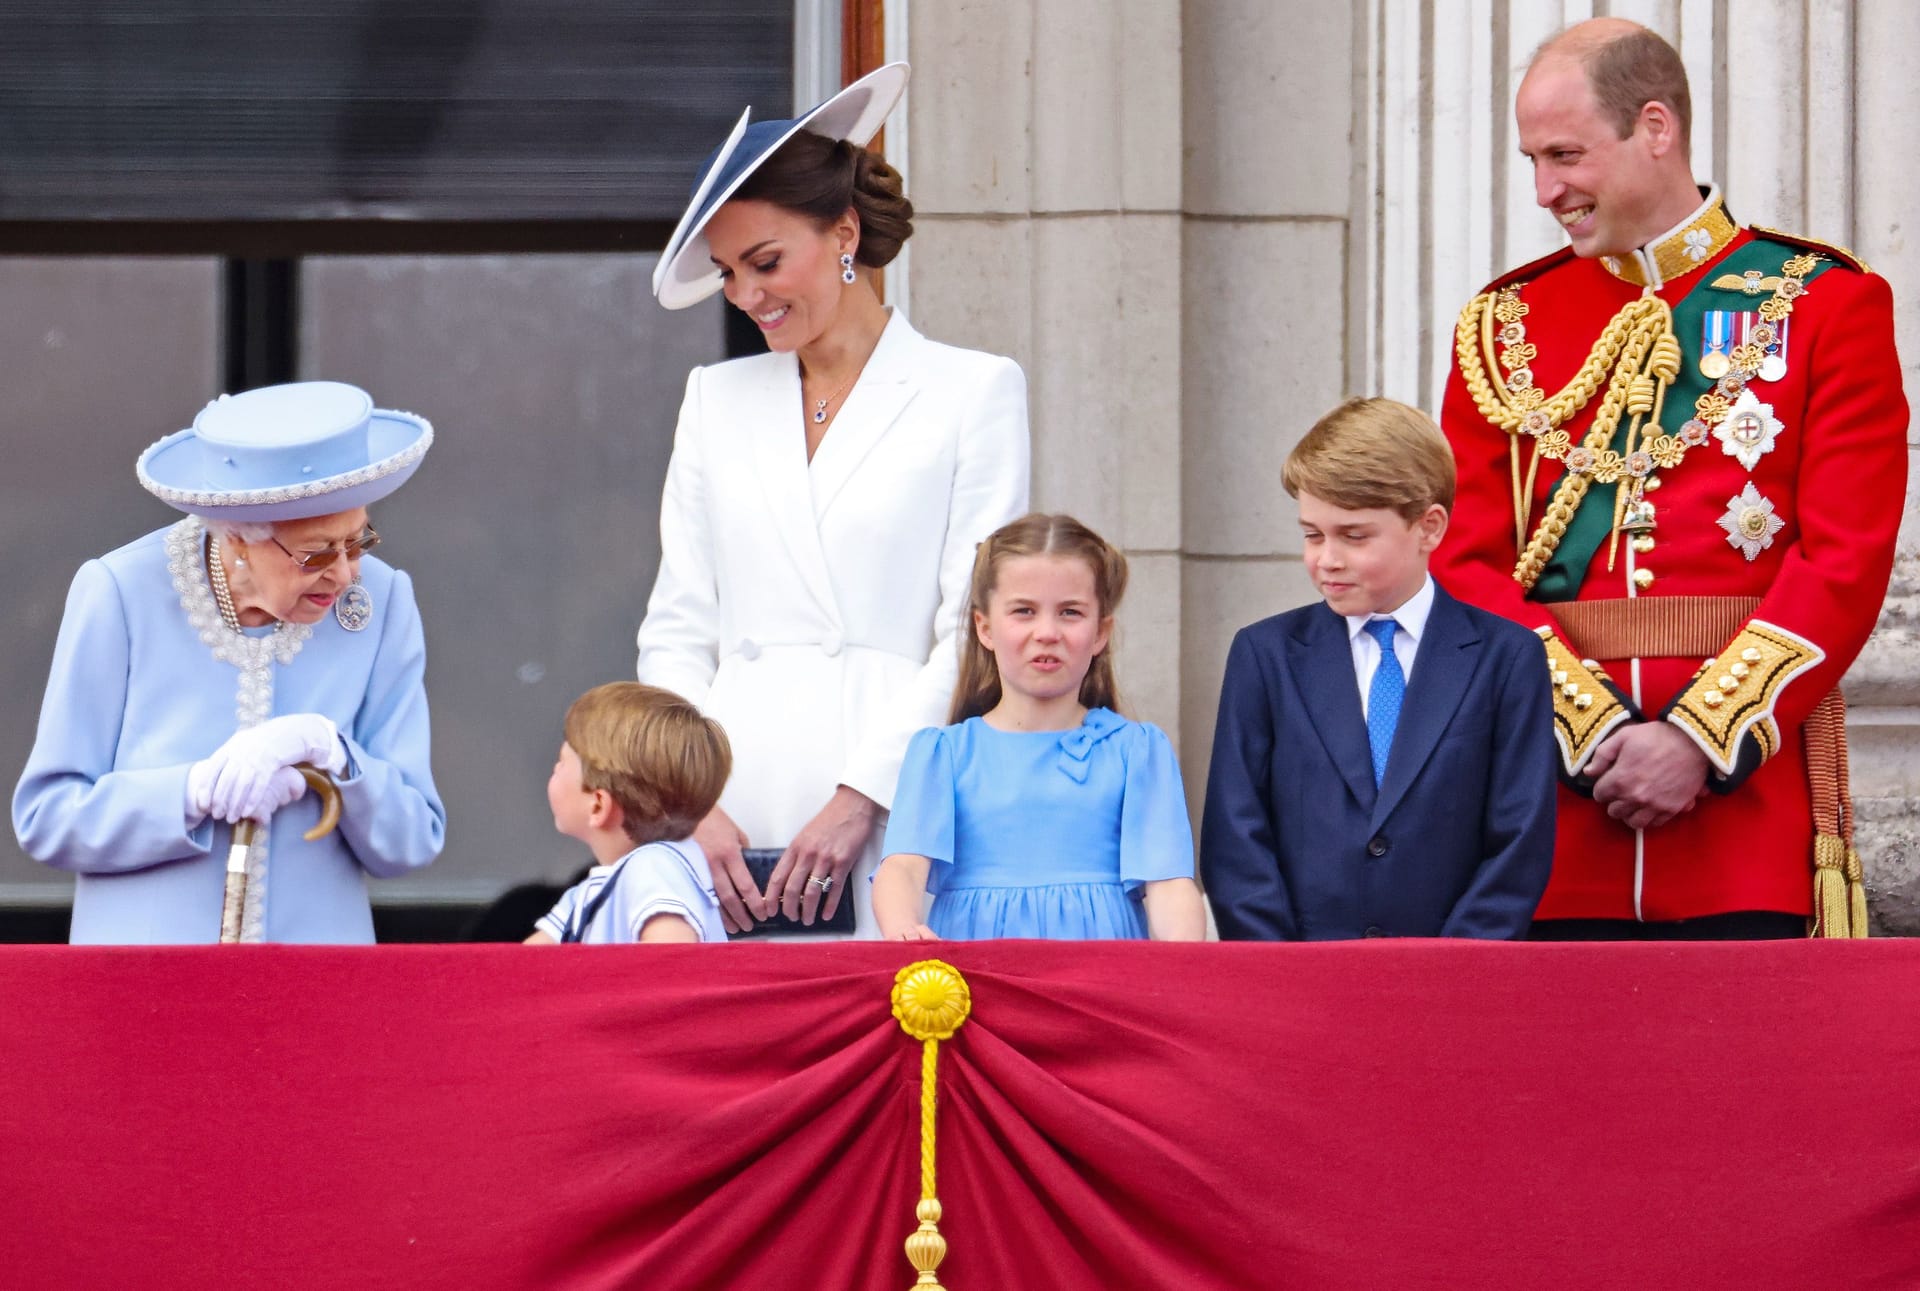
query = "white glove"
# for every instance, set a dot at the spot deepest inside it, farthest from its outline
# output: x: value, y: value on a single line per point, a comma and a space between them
x: 200, y: 790
x: 279, y: 789
x: 240, y: 780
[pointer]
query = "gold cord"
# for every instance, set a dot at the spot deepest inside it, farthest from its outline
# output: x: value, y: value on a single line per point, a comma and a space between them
x: 1637, y: 357
x: 931, y: 1001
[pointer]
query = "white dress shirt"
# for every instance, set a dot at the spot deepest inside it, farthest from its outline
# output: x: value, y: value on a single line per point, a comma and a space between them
x: 1412, y: 618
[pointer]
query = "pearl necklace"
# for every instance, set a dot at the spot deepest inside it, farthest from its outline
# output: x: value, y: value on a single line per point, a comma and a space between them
x: 222, y: 594
x: 199, y: 580
x: 193, y: 579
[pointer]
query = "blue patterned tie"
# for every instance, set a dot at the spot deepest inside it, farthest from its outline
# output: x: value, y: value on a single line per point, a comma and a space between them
x: 1383, y: 698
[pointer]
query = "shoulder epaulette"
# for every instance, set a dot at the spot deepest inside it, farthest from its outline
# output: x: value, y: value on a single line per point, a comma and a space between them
x: 1838, y: 253
x: 1532, y: 269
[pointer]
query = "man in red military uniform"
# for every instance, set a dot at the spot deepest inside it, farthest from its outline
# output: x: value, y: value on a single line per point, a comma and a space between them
x: 1682, y: 460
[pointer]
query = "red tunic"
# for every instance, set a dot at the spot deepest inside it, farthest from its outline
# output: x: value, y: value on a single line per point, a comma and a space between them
x: 1835, y: 476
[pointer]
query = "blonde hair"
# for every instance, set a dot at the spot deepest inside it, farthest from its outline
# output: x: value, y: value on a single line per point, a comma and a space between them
x: 659, y: 757
x: 978, y: 688
x: 1373, y: 453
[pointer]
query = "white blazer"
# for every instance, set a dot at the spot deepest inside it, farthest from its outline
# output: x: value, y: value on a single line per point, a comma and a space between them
x: 811, y: 608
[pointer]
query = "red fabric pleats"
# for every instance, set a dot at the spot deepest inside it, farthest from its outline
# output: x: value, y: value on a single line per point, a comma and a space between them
x: 1362, y: 1115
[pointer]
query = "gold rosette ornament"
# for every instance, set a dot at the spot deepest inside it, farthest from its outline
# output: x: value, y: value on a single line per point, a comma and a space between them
x: 931, y: 1001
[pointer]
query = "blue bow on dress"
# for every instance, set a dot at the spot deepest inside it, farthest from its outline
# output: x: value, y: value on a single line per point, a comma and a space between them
x: 1076, y: 746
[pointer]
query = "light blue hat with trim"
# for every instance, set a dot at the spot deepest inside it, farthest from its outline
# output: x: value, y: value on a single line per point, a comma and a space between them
x: 685, y: 274
x: 285, y: 452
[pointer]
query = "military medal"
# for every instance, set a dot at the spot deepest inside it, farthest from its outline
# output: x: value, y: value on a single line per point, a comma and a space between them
x: 1718, y: 326
x: 1750, y: 522
x: 353, y: 608
x: 1748, y: 431
x: 1772, y: 339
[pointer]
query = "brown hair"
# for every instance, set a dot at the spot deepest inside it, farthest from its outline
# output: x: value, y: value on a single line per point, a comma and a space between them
x: 660, y: 758
x: 1628, y: 70
x: 822, y: 178
x: 978, y: 688
x: 1370, y: 453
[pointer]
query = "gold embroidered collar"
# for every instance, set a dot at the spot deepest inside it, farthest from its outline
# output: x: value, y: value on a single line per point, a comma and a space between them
x: 1678, y: 252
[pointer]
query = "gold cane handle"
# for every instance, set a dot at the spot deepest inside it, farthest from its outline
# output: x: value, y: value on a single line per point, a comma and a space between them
x: 329, y: 794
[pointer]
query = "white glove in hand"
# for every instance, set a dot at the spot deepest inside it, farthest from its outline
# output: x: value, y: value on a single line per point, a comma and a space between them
x: 270, y: 795
x: 243, y: 778
x: 200, y: 790
x: 281, y: 788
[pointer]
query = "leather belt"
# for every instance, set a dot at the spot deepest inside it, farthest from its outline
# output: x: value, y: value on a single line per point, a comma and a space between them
x: 1652, y: 627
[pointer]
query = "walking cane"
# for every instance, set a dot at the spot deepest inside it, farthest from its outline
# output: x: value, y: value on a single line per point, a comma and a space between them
x: 242, y: 847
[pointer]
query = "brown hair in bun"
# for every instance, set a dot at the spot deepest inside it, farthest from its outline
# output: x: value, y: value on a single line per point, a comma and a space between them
x: 821, y: 178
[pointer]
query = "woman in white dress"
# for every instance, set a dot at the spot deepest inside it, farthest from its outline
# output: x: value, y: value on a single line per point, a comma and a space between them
x: 822, y: 504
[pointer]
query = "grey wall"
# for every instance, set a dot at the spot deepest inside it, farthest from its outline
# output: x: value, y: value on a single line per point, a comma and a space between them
x: 98, y: 358
x: 531, y: 531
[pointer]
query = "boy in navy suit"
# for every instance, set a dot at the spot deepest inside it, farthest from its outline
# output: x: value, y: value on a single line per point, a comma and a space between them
x: 1383, y: 762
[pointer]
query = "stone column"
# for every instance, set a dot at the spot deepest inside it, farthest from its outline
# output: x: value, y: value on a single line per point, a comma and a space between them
x: 1269, y: 120
x: 1046, y: 182
x: 1884, y: 723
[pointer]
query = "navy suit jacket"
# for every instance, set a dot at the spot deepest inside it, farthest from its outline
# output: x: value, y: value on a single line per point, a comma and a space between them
x: 1457, y: 841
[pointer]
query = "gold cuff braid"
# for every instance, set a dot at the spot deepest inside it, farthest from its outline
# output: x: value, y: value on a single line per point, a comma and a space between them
x: 1734, y: 695
x: 1585, y: 709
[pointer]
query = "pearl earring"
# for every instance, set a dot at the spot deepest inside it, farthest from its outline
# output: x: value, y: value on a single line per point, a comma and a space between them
x: 846, y: 268
x: 239, y: 562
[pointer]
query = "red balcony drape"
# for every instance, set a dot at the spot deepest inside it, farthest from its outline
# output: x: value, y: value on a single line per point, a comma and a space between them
x: 1370, y: 1115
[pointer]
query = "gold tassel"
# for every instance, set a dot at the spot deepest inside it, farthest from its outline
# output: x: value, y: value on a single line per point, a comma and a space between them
x: 1643, y: 395
x: 930, y: 1001
x: 1839, y: 895
x: 1832, y: 916
x: 1856, y: 894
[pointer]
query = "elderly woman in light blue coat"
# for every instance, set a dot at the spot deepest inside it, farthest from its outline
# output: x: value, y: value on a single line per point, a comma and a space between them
x: 197, y: 666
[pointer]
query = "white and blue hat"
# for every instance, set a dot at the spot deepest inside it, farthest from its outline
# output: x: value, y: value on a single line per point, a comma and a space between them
x: 685, y: 275
x: 285, y: 452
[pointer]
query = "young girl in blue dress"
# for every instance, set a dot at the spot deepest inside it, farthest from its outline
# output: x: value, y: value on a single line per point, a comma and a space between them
x: 1041, y: 812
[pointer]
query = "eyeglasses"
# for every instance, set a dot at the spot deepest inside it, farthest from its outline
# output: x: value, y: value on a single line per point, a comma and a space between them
x: 314, y: 561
